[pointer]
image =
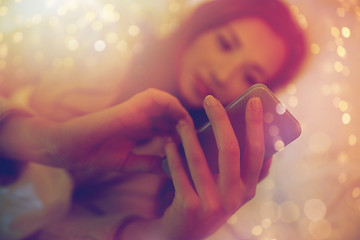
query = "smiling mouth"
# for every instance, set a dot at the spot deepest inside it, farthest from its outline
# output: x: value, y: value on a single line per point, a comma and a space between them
x: 200, y: 87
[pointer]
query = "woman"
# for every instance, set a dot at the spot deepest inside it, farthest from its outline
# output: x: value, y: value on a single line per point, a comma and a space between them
x: 170, y: 52
x: 231, y: 45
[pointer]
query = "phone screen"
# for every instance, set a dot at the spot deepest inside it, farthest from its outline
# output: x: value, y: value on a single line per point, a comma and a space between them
x: 280, y: 126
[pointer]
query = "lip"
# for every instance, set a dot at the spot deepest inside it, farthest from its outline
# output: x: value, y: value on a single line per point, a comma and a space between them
x: 200, y: 87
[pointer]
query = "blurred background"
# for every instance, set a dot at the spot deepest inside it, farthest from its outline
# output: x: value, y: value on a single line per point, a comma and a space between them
x: 313, y: 191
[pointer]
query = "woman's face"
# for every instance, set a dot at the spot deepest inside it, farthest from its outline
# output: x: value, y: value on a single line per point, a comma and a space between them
x: 227, y: 60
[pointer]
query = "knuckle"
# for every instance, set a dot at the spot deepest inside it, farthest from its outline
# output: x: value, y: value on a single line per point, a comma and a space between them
x: 254, y: 118
x: 257, y: 119
x: 182, y: 124
x: 257, y: 146
x: 152, y: 91
x: 228, y: 202
x: 177, y: 165
x: 233, y: 204
x: 231, y: 149
x: 221, y: 115
x: 212, y: 207
x: 197, y: 159
x: 159, y: 95
x: 154, y: 101
x: 152, y: 95
x: 161, y: 99
x: 191, y: 205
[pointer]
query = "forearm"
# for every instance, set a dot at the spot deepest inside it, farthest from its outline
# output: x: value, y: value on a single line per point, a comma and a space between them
x: 140, y: 229
x: 25, y: 138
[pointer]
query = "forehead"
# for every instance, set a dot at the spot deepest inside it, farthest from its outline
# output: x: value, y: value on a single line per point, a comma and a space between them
x: 259, y: 42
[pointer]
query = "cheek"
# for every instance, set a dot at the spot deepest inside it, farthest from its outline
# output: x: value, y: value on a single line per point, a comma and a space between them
x: 184, y: 85
x: 201, y: 53
x: 274, y: 60
x: 188, y: 62
x: 184, y: 71
x: 187, y: 67
x: 181, y: 81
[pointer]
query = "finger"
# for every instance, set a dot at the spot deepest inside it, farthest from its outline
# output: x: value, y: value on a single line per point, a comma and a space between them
x: 178, y: 173
x: 114, y: 158
x: 199, y: 169
x: 159, y: 103
x: 152, y: 105
x: 134, y: 118
x: 265, y: 169
x: 254, y: 143
x: 227, y: 144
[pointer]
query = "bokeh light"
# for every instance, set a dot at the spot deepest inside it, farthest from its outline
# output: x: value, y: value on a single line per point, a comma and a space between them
x: 314, y: 209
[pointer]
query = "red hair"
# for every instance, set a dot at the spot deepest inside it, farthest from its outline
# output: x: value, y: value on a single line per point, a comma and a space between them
x: 274, y: 12
x: 160, y: 59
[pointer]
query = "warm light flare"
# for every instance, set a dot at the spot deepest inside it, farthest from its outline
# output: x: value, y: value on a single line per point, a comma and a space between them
x: 345, y: 31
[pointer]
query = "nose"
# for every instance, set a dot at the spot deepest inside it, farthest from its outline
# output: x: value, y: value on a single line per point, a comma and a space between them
x: 223, y: 72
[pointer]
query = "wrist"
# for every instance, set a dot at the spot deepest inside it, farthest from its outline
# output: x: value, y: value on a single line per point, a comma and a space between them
x: 135, y: 228
x: 22, y: 138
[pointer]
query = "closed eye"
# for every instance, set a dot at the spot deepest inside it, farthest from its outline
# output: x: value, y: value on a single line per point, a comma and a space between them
x: 224, y: 43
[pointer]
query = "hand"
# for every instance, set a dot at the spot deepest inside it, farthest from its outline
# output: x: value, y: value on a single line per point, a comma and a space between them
x: 204, y: 201
x: 102, y: 140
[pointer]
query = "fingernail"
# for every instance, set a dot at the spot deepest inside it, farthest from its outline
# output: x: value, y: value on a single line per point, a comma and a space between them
x: 210, y: 100
x: 256, y: 104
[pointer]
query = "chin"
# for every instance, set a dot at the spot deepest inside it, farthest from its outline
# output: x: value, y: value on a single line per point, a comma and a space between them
x: 190, y: 102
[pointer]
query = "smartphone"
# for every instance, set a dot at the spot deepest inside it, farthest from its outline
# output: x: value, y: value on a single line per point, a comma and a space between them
x: 280, y: 126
